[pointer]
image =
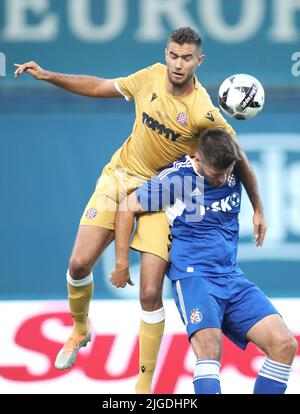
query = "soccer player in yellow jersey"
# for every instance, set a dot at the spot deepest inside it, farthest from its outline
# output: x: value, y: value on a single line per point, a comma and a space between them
x: 170, y: 105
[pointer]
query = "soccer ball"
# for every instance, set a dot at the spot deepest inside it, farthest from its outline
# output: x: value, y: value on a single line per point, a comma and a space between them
x: 241, y: 96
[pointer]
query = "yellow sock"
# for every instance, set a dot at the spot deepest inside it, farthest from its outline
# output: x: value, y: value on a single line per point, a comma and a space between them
x: 150, y: 339
x: 79, y: 301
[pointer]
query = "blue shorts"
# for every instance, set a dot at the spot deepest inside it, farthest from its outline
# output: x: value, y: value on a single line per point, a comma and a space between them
x: 230, y: 303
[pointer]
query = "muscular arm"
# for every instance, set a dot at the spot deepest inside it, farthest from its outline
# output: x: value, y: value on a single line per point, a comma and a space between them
x: 128, y: 209
x: 249, y: 181
x: 124, y: 222
x: 81, y: 85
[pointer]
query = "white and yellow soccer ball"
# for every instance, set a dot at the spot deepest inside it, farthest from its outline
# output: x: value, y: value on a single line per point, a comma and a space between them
x: 241, y: 96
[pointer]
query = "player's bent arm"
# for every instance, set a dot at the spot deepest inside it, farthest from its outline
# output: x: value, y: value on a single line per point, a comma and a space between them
x: 243, y: 166
x: 246, y: 174
x: 124, y: 222
x: 91, y: 86
x: 128, y: 208
x: 249, y: 181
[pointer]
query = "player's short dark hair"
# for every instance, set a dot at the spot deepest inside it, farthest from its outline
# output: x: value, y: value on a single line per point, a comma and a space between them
x: 218, y: 148
x: 185, y: 35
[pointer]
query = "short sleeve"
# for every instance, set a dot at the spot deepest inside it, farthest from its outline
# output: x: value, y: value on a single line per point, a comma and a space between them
x: 130, y: 85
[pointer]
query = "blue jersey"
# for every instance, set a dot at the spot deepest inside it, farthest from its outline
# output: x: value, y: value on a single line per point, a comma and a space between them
x: 203, y: 219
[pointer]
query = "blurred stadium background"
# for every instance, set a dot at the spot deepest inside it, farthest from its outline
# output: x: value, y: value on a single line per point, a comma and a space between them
x: 54, y: 145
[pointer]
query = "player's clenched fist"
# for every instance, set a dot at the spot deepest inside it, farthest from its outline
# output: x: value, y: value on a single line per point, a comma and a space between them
x: 120, y: 277
x: 32, y: 68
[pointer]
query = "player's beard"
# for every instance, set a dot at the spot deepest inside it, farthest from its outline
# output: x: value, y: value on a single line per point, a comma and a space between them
x: 181, y: 82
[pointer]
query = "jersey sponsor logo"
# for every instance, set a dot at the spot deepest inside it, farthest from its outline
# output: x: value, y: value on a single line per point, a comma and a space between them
x: 91, y: 213
x: 226, y: 204
x: 160, y: 128
x: 210, y: 116
x: 182, y: 118
x: 196, y: 316
x: 154, y: 96
x: 231, y: 181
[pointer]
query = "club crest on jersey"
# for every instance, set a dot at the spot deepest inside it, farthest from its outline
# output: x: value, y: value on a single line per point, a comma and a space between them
x: 91, y: 213
x: 231, y: 180
x: 196, y: 316
x: 182, y: 118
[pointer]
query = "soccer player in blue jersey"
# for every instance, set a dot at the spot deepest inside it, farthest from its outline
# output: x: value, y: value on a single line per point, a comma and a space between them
x: 202, y: 196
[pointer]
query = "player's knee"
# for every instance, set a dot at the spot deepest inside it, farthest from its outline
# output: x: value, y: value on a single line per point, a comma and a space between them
x: 79, y: 268
x: 284, y: 349
x: 151, y: 298
x: 289, y: 347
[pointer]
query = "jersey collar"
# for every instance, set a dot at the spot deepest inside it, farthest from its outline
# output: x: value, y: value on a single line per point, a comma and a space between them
x: 194, y: 167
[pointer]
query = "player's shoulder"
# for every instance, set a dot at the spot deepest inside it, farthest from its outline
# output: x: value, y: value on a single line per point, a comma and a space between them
x: 202, y: 93
x: 178, y: 167
x: 205, y: 114
x: 202, y: 104
x: 201, y: 90
x: 157, y: 68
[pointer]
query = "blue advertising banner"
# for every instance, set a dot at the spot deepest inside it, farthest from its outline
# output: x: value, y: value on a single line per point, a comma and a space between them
x: 110, y: 38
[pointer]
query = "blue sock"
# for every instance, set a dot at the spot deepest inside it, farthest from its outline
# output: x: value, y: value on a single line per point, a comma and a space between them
x: 206, y: 377
x: 272, y: 378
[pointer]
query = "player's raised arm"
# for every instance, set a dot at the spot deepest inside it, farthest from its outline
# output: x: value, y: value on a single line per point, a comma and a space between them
x: 82, y: 85
x: 128, y: 208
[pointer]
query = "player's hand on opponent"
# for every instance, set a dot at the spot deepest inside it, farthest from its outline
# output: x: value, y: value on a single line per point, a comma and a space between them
x: 260, y: 228
x: 120, y: 277
x: 32, y: 68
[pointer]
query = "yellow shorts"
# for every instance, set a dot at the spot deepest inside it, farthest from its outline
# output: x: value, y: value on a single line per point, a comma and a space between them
x: 152, y: 233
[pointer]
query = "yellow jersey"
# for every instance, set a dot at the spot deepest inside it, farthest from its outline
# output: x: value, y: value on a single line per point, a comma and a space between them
x: 164, y: 125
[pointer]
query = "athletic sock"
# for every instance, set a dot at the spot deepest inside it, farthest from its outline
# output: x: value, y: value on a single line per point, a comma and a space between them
x: 272, y: 378
x: 206, y: 377
x: 79, y: 294
x: 151, y: 332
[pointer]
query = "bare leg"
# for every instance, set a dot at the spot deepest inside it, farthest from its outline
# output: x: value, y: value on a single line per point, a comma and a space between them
x: 272, y: 336
x: 90, y: 243
x: 153, y: 269
x: 207, y: 344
